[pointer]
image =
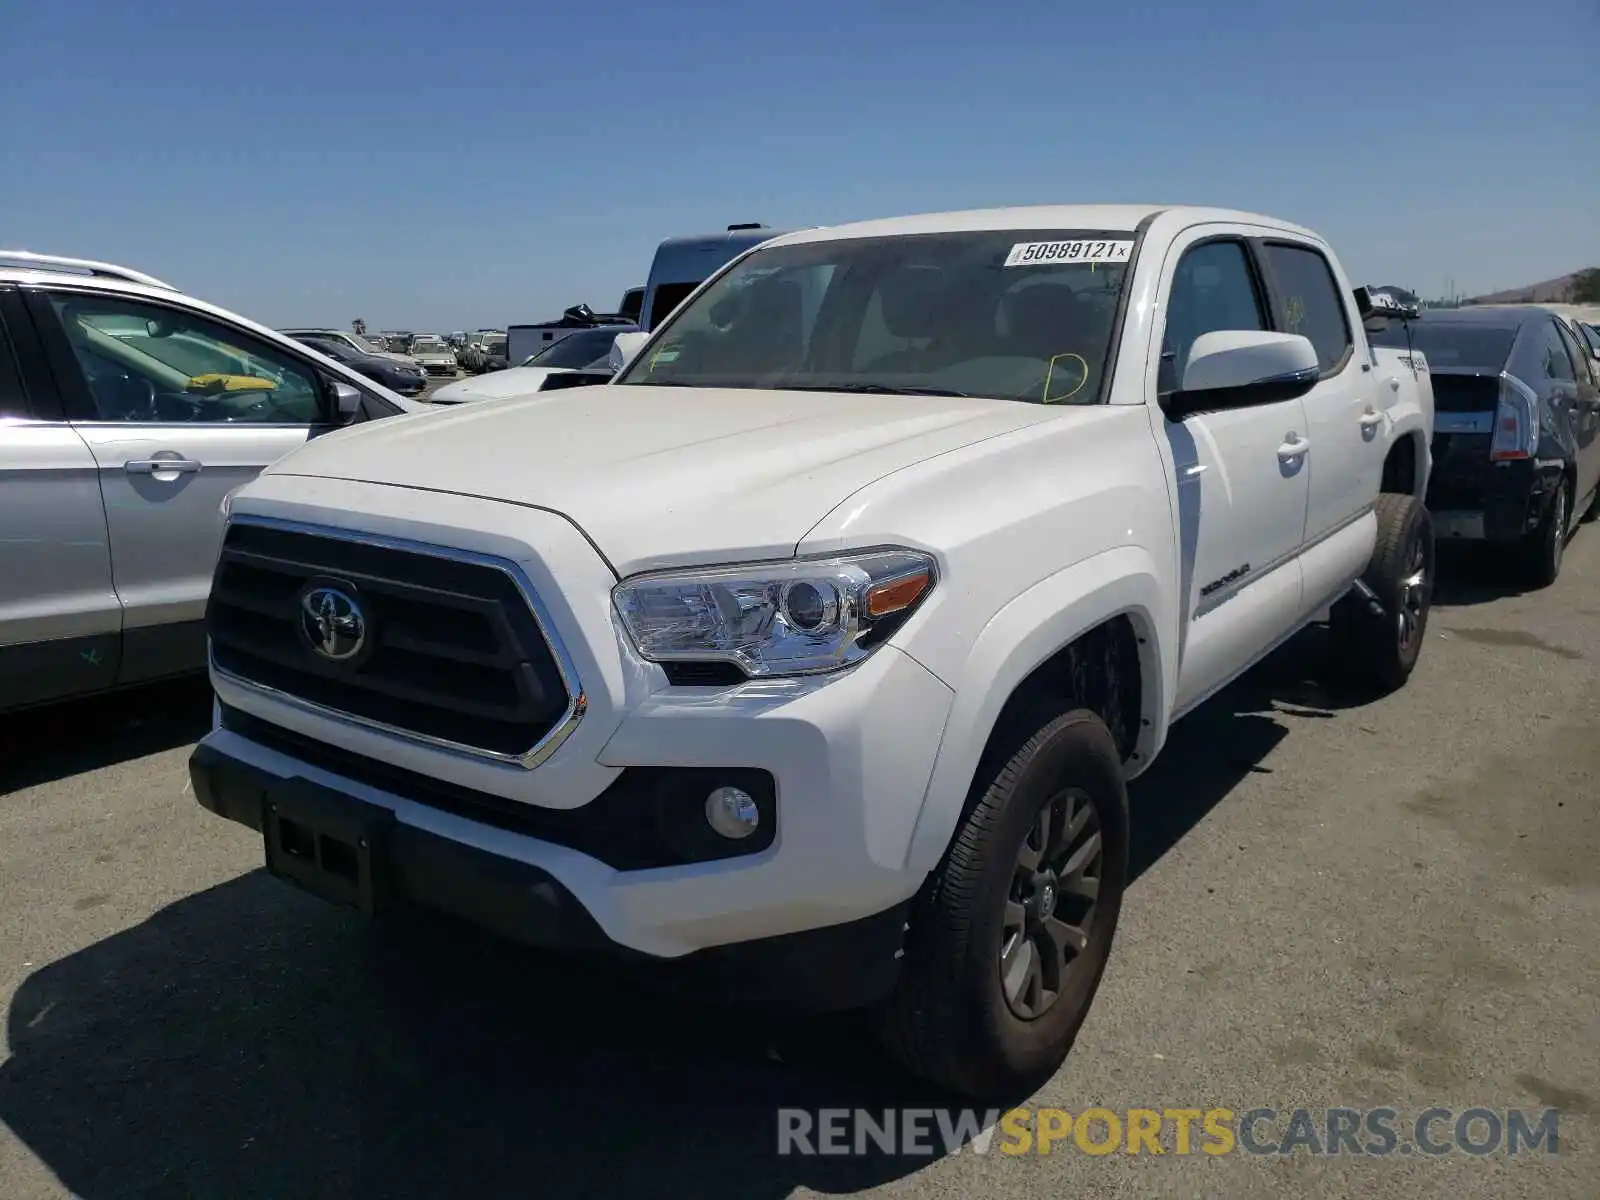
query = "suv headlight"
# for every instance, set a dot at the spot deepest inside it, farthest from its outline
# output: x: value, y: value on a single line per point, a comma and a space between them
x: 799, y: 617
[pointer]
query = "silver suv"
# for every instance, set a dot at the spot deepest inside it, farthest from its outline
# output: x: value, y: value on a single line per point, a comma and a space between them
x: 128, y: 411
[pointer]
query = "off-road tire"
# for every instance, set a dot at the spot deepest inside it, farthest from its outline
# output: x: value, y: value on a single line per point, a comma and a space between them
x: 948, y: 1019
x: 1378, y: 650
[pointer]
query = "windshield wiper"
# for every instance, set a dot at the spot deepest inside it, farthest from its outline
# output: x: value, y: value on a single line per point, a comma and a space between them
x: 874, y: 389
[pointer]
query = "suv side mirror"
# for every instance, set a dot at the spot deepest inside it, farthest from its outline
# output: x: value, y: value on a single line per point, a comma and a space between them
x: 346, y: 403
x: 625, y: 349
x: 1242, y: 369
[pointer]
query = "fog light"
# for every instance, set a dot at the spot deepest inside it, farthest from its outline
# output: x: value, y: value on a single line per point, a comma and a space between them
x: 732, y: 812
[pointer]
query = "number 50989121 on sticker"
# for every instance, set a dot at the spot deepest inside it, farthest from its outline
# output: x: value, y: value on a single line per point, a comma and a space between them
x: 1084, y: 250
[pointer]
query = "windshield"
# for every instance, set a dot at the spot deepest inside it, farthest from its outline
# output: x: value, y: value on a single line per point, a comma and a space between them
x: 429, y: 346
x: 495, y: 343
x: 576, y: 350
x: 1462, y: 345
x: 1012, y: 314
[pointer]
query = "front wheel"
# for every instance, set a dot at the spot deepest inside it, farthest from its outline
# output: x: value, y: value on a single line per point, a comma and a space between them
x: 1012, y: 932
x: 1378, y: 635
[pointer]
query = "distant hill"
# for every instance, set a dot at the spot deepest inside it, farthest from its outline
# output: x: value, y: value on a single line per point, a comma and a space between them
x: 1548, y: 291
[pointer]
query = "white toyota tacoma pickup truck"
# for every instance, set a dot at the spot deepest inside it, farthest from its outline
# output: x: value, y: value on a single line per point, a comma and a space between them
x: 807, y: 661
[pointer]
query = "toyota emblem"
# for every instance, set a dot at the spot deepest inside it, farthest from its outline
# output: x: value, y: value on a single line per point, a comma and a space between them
x: 332, y: 623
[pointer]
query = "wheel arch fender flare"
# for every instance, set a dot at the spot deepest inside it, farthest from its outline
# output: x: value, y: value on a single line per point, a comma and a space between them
x: 1025, y: 633
x: 1411, y: 434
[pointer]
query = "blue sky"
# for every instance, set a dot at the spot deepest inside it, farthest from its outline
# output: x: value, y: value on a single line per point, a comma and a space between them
x: 433, y: 166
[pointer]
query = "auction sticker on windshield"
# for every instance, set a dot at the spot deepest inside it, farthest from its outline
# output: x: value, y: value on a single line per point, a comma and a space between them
x: 1084, y: 250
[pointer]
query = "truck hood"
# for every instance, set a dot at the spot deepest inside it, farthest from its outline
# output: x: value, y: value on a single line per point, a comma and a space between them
x: 660, y: 476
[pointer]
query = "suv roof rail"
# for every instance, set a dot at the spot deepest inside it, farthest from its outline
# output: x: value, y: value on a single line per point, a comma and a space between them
x: 745, y: 225
x: 85, y: 266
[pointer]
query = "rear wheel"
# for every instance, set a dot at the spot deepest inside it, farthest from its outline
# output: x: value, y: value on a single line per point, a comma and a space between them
x: 1011, y: 934
x: 1378, y: 639
x: 1546, y: 546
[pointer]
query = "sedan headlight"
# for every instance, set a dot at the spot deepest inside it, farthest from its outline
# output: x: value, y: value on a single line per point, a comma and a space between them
x: 799, y: 617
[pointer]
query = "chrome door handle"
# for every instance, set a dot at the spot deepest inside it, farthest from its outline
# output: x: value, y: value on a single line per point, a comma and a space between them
x: 1293, y: 447
x: 149, y: 466
x: 1371, y: 420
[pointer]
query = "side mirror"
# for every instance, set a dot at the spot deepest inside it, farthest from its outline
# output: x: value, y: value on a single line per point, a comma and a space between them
x: 346, y: 402
x: 1374, y: 303
x: 625, y: 349
x: 1239, y: 369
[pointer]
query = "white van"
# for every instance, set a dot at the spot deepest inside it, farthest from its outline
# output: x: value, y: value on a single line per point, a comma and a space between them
x: 684, y: 263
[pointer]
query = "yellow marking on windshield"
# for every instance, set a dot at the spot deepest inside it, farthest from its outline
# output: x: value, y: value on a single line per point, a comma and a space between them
x: 1049, y: 374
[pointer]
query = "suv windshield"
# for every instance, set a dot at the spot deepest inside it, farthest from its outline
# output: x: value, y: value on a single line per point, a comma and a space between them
x: 1011, y: 314
x: 428, y: 346
x: 576, y: 350
x: 1458, y: 345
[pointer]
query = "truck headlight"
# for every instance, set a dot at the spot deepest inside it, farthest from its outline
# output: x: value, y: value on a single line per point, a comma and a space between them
x: 799, y: 617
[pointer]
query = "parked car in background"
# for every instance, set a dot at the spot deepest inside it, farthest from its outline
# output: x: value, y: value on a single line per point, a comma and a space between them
x: 434, y: 355
x: 1515, y: 449
x: 128, y: 412
x: 576, y: 359
x: 405, y: 378
x: 1590, y: 332
x: 632, y: 304
x: 1578, y: 319
x: 486, y: 351
x: 355, y: 342
x: 524, y: 341
x: 809, y: 659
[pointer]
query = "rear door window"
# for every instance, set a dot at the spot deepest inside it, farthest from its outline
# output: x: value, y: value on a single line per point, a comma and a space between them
x: 1312, y: 305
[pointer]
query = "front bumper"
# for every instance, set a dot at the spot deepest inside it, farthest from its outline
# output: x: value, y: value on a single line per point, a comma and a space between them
x: 838, y: 967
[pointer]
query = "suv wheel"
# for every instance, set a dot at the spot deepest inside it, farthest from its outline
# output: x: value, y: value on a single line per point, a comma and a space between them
x: 1379, y: 646
x: 1547, y: 545
x: 1011, y: 934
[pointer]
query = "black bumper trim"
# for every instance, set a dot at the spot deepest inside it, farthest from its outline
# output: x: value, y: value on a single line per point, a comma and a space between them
x: 648, y: 817
x: 837, y: 967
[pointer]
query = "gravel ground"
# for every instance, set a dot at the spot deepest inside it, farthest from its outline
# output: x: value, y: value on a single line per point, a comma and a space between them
x: 1336, y: 905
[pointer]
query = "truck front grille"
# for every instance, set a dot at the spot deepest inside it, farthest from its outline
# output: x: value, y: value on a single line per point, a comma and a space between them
x: 441, y: 648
